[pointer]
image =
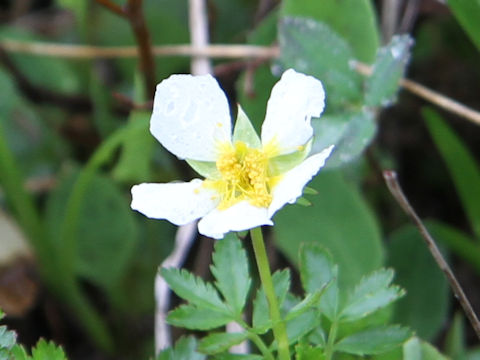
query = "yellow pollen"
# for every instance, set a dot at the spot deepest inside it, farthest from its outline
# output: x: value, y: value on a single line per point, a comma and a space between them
x: 244, y: 176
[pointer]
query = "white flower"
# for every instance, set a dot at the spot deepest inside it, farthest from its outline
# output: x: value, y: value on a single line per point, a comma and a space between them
x: 247, y: 178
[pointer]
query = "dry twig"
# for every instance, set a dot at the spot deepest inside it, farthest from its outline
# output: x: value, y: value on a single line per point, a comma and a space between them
x: 396, y: 190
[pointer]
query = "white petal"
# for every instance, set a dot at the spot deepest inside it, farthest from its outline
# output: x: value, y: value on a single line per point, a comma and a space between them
x: 295, y: 99
x: 292, y: 183
x: 179, y: 203
x: 241, y: 216
x: 190, y: 114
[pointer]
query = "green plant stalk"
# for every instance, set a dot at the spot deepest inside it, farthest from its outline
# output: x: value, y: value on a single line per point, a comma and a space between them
x: 279, y: 328
x: 257, y: 340
x: 331, y: 340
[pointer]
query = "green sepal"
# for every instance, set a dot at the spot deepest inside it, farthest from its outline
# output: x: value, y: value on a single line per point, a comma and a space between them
x: 207, y: 169
x: 302, y: 201
x: 281, y: 164
x: 310, y: 191
x: 244, y: 131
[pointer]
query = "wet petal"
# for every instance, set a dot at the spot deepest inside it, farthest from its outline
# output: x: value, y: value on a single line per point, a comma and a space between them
x: 179, y: 203
x: 292, y: 183
x: 241, y: 216
x: 295, y: 99
x: 190, y: 114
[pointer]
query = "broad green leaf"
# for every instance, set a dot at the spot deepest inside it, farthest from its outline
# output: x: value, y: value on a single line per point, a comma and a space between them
x: 461, y: 164
x: 416, y: 349
x: 317, y: 271
x: 455, y: 343
x: 194, y: 318
x: 371, y: 294
x: 374, y: 341
x: 389, y: 67
x: 354, y: 20
x: 302, y: 325
x: 193, y: 289
x: 19, y: 353
x: 230, y: 269
x: 244, y: 131
x: 185, y: 349
x: 47, y: 351
x: 418, y: 274
x: 467, y: 13
x: 107, y: 229
x: 135, y: 158
x: 261, y: 313
x: 215, y: 343
x: 315, y: 49
x: 356, y: 248
x: 350, y: 132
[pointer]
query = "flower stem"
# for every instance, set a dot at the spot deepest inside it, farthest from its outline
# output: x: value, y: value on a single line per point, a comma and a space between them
x: 279, y: 329
x: 331, y: 340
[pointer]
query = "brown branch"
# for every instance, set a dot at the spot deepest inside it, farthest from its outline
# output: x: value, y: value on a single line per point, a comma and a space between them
x: 135, y: 16
x: 39, y: 94
x: 396, y: 190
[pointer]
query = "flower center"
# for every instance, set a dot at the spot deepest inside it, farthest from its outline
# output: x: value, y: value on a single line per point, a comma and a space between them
x: 244, y: 176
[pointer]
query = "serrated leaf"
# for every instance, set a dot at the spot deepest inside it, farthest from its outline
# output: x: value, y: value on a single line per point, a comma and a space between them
x: 230, y: 269
x: 350, y: 132
x: 310, y: 301
x: 185, y: 349
x: 314, y: 48
x: 309, y: 353
x: 374, y: 341
x: 371, y: 294
x: 356, y: 24
x: 19, y: 353
x: 389, y: 67
x: 227, y: 356
x: 316, y: 272
x: 261, y: 315
x: 194, y: 318
x: 7, y: 338
x: 461, y: 164
x: 47, y: 351
x: 416, y: 349
x: 216, y: 343
x: 244, y: 131
x: 301, y: 325
x: 193, y: 289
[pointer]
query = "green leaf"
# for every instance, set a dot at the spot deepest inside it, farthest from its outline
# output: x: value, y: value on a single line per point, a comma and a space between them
x: 227, y: 356
x: 389, y: 67
x: 137, y: 150
x: 216, y: 343
x: 19, y: 353
x: 311, y: 300
x: 195, y: 318
x: 193, y: 289
x: 261, y: 315
x: 356, y: 248
x: 318, y: 271
x: 47, y: 351
x: 107, y: 229
x: 7, y: 338
x: 455, y: 343
x: 461, y: 165
x: 302, y: 325
x: 244, y: 131
x: 307, y: 352
x: 371, y: 294
x: 354, y: 20
x: 184, y: 350
x: 315, y: 49
x: 417, y: 272
x: 467, y: 13
x: 230, y: 268
x: 416, y: 349
x: 374, y: 341
x: 350, y: 132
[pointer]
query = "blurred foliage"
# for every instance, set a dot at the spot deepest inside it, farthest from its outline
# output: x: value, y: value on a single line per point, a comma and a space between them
x: 98, y: 258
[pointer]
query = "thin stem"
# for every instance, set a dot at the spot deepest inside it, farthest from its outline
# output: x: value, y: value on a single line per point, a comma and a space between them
x: 396, y: 190
x: 261, y: 346
x: 279, y: 329
x: 331, y: 340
